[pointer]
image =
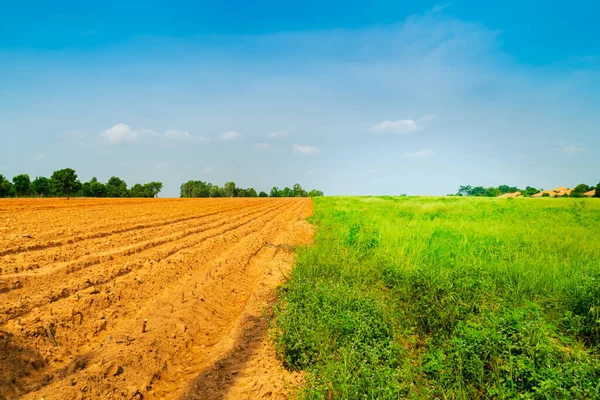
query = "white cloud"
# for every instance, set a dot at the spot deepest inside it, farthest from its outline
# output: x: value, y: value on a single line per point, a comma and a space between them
x: 229, y: 135
x: 264, y: 147
x: 279, y: 135
x: 184, y: 135
x: 403, y: 126
x: 120, y: 133
x: 305, y: 150
x: 424, y: 153
x: 572, y: 149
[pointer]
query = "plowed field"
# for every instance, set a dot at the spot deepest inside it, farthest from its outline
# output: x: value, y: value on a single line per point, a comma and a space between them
x: 143, y: 298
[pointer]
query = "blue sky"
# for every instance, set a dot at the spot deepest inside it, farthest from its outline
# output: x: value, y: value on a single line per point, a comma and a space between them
x: 350, y: 97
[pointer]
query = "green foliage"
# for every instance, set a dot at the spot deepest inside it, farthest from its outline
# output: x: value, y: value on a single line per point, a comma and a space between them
x: 116, y: 187
x: 22, y: 185
x: 492, y: 192
x: 580, y: 190
x: 41, y: 186
x: 597, y: 193
x: 204, y: 189
x: 64, y: 182
x: 7, y: 189
x: 275, y: 192
x: 446, y: 298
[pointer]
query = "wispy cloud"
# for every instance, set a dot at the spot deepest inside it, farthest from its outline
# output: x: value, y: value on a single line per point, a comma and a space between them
x: 264, y: 147
x: 229, y: 135
x: 184, y: 135
x: 424, y: 153
x: 403, y: 126
x: 573, y: 149
x: 305, y: 150
x: 122, y: 133
x: 279, y: 134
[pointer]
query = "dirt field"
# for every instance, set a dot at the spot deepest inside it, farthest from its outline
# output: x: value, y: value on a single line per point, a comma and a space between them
x: 143, y: 298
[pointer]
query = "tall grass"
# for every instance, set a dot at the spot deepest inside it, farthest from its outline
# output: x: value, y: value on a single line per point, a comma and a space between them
x: 446, y: 298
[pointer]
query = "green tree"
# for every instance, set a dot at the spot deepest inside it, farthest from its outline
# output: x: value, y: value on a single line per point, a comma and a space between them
x: 241, y: 193
x: 251, y: 192
x: 154, y: 188
x: 22, y: 185
x: 64, y: 182
x: 530, y: 191
x: 229, y: 189
x: 477, y: 191
x: 465, y: 190
x: 215, y: 191
x: 96, y: 189
x: 6, y: 187
x: 597, y: 194
x: 116, y: 187
x: 275, y: 192
x: 287, y: 192
x: 315, y: 193
x: 580, y: 190
x: 492, y: 192
x: 41, y: 186
x: 263, y: 194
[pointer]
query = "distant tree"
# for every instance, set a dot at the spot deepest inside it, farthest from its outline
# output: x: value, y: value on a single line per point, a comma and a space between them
x: 315, y: 193
x: 229, y: 189
x: 22, y: 185
x: 492, y: 192
x: 477, y: 191
x: 116, y: 187
x: 241, y: 192
x: 597, y: 194
x: 275, y: 192
x: 530, y: 191
x: 465, y: 190
x: 546, y: 194
x: 6, y: 187
x: 41, y: 186
x: 154, y: 188
x: 287, y: 192
x: 96, y: 189
x: 251, y: 192
x: 263, y: 194
x: 215, y: 191
x: 64, y: 182
x: 580, y: 190
x: 298, y: 191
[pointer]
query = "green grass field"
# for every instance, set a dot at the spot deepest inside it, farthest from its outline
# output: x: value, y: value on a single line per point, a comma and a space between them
x: 446, y: 298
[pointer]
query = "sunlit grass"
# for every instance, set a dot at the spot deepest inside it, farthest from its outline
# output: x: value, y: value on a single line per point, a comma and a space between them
x: 447, y: 298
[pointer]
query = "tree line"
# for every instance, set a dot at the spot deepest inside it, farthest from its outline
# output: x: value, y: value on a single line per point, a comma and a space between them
x: 64, y: 183
x: 193, y: 188
x: 529, y: 191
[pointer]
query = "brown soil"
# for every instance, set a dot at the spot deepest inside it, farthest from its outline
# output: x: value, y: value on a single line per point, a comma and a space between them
x: 144, y: 298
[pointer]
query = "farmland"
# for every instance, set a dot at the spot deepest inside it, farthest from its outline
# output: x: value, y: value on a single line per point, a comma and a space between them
x: 113, y: 298
x: 446, y: 297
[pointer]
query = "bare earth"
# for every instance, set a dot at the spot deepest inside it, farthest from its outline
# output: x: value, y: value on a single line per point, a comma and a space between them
x: 130, y: 298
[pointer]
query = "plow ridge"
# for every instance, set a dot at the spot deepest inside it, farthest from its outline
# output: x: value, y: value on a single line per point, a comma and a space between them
x: 194, y: 281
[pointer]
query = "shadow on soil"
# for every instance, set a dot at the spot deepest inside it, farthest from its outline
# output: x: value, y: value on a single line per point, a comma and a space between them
x: 218, y: 378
